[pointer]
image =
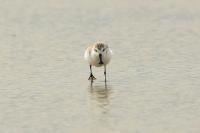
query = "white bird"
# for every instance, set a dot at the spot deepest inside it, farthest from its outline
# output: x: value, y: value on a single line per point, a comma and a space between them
x: 97, y: 54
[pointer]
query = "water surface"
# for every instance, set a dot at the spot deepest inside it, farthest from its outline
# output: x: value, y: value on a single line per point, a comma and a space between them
x: 153, y: 78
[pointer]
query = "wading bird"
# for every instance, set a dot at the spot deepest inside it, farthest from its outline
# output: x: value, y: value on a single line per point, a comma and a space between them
x: 97, y: 54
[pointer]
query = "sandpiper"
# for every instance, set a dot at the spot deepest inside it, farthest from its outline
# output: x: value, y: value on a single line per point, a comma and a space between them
x: 98, y: 54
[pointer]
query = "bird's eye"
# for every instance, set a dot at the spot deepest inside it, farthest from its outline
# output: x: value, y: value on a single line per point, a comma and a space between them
x: 104, y: 49
x: 95, y: 50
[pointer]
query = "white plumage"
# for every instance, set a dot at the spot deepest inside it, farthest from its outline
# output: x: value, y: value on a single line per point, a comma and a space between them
x: 98, y: 54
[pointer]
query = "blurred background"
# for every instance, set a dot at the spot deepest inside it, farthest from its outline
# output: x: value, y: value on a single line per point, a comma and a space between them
x: 153, y: 78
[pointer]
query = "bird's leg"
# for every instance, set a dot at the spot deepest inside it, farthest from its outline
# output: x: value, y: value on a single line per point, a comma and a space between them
x: 105, y: 72
x: 91, y: 75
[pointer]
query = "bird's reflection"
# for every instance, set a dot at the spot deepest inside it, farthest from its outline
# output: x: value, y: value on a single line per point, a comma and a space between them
x: 100, y: 96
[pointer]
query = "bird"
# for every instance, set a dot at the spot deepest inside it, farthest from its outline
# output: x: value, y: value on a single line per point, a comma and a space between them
x: 97, y: 54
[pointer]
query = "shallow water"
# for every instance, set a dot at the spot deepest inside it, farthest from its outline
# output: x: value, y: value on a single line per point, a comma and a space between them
x: 153, y: 78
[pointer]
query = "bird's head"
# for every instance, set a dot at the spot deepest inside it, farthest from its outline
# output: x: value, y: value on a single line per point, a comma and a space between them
x: 100, y: 50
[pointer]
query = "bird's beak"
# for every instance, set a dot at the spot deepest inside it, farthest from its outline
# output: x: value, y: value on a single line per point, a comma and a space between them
x: 100, y: 58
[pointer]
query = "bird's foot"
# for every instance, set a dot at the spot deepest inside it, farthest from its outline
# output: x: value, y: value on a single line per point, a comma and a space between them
x: 91, y: 77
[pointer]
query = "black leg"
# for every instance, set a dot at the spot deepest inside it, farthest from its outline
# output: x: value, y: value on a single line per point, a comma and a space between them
x: 91, y: 75
x: 105, y: 72
x: 90, y: 69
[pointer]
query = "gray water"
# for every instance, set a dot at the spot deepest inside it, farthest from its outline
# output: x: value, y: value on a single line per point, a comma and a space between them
x: 153, y: 79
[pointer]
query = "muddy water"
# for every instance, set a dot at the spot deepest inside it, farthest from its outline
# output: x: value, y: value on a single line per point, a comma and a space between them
x: 153, y: 78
